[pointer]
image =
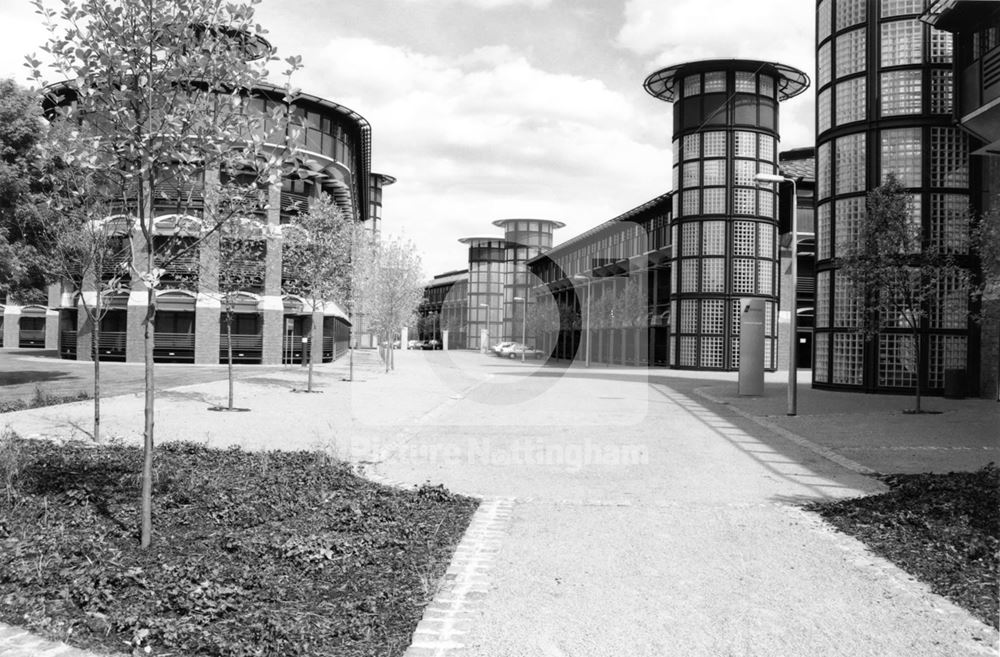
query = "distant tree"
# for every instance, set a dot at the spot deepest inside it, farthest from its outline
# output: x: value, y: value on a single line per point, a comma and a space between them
x: 21, y: 275
x: 543, y: 318
x: 895, y: 273
x: 986, y: 246
x: 631, y: 304
x: 161, y: 85
x: 317, y: 254
x: 391, y: 278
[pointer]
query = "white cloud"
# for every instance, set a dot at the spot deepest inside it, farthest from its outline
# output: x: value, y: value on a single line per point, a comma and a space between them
x: 487, y: 136
x: 688, y: 30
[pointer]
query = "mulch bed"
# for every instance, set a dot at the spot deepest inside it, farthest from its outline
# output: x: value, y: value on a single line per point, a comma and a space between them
x: 943, y: 529
x: 277, y: 553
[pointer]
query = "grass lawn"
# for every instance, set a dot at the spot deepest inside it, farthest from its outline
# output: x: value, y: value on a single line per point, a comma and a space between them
x: 277, y: 553
x: 942, y: 529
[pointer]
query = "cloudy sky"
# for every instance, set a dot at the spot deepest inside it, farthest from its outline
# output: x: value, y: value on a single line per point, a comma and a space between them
x: 490, y: 109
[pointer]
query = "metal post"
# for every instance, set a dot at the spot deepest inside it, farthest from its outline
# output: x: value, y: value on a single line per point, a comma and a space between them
x: 524, y: 327
x: 793, y: 324
x: 589, y: 336
x: 793, y: 353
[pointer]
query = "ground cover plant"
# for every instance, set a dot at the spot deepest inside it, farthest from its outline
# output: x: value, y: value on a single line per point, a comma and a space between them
x: 40, y: 398
x: 943, y: 529
x: 276, y: 553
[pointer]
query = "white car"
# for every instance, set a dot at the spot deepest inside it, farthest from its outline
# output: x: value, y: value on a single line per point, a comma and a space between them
x: 500, y: 345
x: 515, y: 349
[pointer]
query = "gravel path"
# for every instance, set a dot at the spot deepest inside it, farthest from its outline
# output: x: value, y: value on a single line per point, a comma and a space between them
x: 629, y: 516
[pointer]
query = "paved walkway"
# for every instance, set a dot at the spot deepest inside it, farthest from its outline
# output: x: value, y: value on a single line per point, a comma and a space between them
x: 626, y: 513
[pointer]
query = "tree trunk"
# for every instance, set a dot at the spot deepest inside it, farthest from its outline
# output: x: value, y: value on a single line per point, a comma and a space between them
x: 307, y: 353
x: 229, y: 353
x: 147, y: 460
x: 95, y: 343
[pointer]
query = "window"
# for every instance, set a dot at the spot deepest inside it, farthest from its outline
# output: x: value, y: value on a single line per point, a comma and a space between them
x: 949, y: 158
x: 941, y: 91
x: 689, y: 239
x: 902, y: 92
x: 850, y: 12
x: 744, y: 172
x: 765, y: 278
x: 821, y: 370
x: 715, y: 82
x: 949, y: 222
x: 850, y: 167
x: 896, y: 362
x: 689, y: 203
x: 765, y: 203
x: 848, y: 358
x: 765, y: 240
x: 846, y: 304
x: 689, y: 316
x: 850, y: 214
x: 713, y: 275
x: 714, y: 200
x: 715, y: 144
x: 766, y: 145
x: 746, y: 82
x: 950, y: 306
x: 823, y: 113
x: 940, y: 46
x: 713, y: 237
x: 711, y: 352
x: 743, y: 238
x: 823, y: 64
x: 901, y: 7
x: 744, y: 201
x: 850, y: 53
x: 746, y: 144
x: 823, y: 232
x: 692, y: 146
x: 745, y: 109
x: 947, y: 352
x: 822, y: 299
x: 823, y: 170
x: 823, y: 19
x: 743, y: 275
x: 714, y: 172
x: 692, y: 85
x: 902, y: 42
x: 766, y: 86
x: 692, y: 177
x: 851, y: 101
x: 901, y: 154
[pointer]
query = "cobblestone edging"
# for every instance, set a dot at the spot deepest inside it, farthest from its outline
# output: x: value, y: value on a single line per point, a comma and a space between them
x: 449, y: 617
x: 826, y: 453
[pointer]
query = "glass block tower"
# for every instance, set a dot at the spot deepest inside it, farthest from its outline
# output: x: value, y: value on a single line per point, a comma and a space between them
x: 525, y: 239
x: 884, y: 104
x: 725, y: 225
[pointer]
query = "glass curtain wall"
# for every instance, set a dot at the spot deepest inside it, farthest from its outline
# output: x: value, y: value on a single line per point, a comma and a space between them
x: 884, y: 105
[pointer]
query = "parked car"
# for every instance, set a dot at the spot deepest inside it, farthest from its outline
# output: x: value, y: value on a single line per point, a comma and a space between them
x: 395, y: 344
x: 500, y: 345
x: 416, y: 344
x: 431, y: 344
x: 515, y: 349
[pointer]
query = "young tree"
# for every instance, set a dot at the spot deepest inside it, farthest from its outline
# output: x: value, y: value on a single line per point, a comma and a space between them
x: 79, y: 243
x: 317, y: 253
x: 392, y: 281
x: 161, y: 86
x: 895, y: 273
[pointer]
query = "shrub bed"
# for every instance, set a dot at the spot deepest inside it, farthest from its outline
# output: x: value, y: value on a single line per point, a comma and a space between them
x: 943, y: 529
x: 277, y: 553
x: 40, y: 399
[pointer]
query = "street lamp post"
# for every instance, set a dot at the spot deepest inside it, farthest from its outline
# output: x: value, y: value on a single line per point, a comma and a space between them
x: 524, y: 325
x: 584, y: 277
x: 793, y: 329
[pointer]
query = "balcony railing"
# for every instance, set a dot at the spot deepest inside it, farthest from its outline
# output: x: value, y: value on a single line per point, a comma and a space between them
x: 174, y: 341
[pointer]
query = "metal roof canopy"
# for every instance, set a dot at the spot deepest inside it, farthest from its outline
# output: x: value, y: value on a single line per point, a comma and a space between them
x: 663, y: 83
